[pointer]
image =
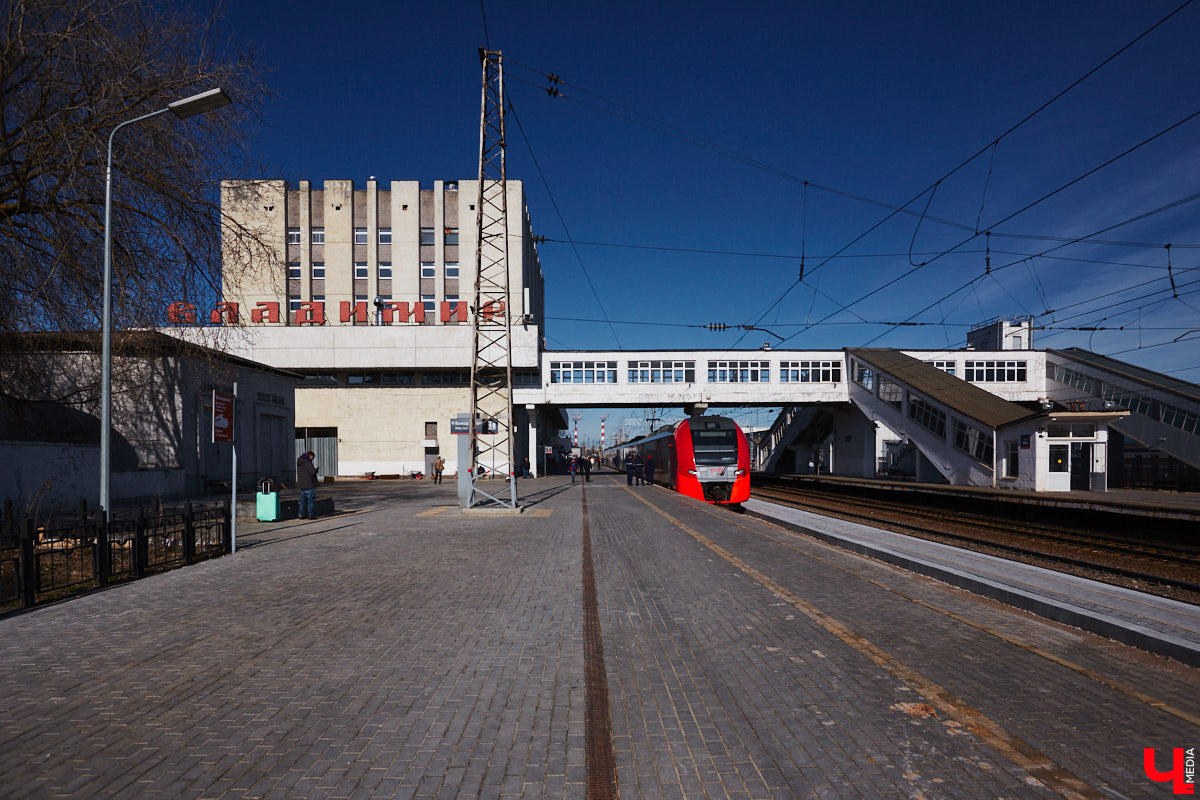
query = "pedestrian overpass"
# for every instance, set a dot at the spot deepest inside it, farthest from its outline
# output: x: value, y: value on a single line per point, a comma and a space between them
x: 1021, y: 419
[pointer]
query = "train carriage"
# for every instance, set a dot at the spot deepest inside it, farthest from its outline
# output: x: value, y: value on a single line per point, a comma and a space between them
x: 703, y: 457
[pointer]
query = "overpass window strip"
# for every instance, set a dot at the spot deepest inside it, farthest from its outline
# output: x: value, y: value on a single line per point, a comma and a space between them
x: 583, y: 372
x: 973, y: 442
x: 891, y: 393
x: 864, y: 376
x: 661, y: 371
x: 927, y: 415
x: 1077, y: 380
x: 810, y: 371
x: 739, y: 372
x: 1119, y: 396
x: 995, y: 371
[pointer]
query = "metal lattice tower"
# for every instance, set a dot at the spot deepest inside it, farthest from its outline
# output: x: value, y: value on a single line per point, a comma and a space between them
x: 491, y: 367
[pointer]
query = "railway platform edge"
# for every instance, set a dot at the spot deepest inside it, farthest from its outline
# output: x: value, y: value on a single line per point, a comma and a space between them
x: 1159, y: 625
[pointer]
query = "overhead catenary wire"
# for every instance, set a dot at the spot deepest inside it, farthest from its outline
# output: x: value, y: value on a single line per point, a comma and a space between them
x: 1108, y: 293
x: 561, y: 219
x: 677, y: 132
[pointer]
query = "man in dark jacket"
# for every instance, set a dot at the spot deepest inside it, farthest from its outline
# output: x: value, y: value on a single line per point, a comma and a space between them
x: 306, y: 479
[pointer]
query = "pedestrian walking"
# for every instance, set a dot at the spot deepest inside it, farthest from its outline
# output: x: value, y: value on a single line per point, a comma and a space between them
x: 525, y: 473
x: 572, y: 467
x: 629, y: 470
x: 306, y: 479
x: 587, y: 470
x: 438, y: 467
x: 649, y: 470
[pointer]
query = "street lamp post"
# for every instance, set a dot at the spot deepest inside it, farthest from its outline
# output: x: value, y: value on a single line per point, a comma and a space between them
x: 187, y: 107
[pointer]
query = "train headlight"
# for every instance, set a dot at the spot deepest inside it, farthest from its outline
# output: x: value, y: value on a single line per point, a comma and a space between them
x: 739, y: 473
x: 692, y: 472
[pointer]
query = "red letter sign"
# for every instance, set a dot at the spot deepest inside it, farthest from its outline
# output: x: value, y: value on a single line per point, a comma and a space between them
x: 226, y: 310
x: 311, y: 313
x: 265, y: 311
x: 181, y: 312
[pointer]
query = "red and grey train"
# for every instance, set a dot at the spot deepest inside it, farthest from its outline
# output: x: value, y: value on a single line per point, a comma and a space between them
x: 703, y: 457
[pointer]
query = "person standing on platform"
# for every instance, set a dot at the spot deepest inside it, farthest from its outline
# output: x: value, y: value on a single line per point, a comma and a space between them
x: 525, y: 473
x: 649, y: 470
x: 306, y: 479
x: 438, y: 467
x: 639, y: 472
x: 573, y: 467
x: 587, y: 470
x: 629, y: 470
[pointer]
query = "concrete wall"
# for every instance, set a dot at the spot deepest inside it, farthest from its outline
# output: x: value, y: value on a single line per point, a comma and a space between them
x: 382, y: 429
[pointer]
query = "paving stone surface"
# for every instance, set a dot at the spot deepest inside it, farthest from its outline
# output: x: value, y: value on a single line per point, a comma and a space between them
x: 721, y: 685
x: 406, y: 650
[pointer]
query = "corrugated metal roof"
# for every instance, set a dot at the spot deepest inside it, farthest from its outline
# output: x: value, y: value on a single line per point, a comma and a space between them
x: 965, y: 398
x: 1130, y: 372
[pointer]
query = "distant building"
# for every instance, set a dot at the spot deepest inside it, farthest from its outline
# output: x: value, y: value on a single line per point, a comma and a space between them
x: 1002, y: 333
x: 161, y: 418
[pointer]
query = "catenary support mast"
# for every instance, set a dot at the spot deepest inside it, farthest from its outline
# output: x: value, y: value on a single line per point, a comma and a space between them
x: 491, y: 367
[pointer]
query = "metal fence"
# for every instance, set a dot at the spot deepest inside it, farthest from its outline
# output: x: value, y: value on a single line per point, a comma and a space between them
x: 42, y: 560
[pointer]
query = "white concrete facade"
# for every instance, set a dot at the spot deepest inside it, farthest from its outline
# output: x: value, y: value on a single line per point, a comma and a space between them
x: 386, y: 381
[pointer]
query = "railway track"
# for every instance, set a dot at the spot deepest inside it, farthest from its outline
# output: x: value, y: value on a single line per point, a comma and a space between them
x: 1160, y: 568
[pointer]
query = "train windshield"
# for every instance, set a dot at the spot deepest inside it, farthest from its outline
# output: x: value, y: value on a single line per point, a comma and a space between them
x: 715, y: 448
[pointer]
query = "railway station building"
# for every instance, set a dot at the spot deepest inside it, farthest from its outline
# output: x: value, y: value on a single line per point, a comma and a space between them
x: 366, y: 294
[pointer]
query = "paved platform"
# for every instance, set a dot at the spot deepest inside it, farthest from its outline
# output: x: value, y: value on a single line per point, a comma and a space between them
x: 1157, y: 624
x: 401, y: 649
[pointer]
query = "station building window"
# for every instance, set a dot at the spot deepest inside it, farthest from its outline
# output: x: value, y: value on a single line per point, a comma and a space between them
x: 428, y: 269
x: 947, y: 367
x: 451, y: 236
x: 360, y: 269
x: 318, y: 236
x: 427, y: 236
x: 444, y: 376
x: 385, y: 270
x: 995, y: 371
x: 294, y: 271
x: 451, y: 269
x: 810, y: 372
x: 739, y: 372
x: 318, y: 270
x: 583, y: 372
x: 1071, y: 430
x: 360, y: 235
x: 927, y: 415
x: 385, y: 235
x: 293, y: 236
x: 1012, y: 459
x: 661, y: 371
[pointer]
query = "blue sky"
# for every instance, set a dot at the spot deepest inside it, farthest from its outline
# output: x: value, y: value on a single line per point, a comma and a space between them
x: 865, y: 101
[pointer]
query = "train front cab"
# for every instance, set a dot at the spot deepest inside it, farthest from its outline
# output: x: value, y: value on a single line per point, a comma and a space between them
x: 712, y: 460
